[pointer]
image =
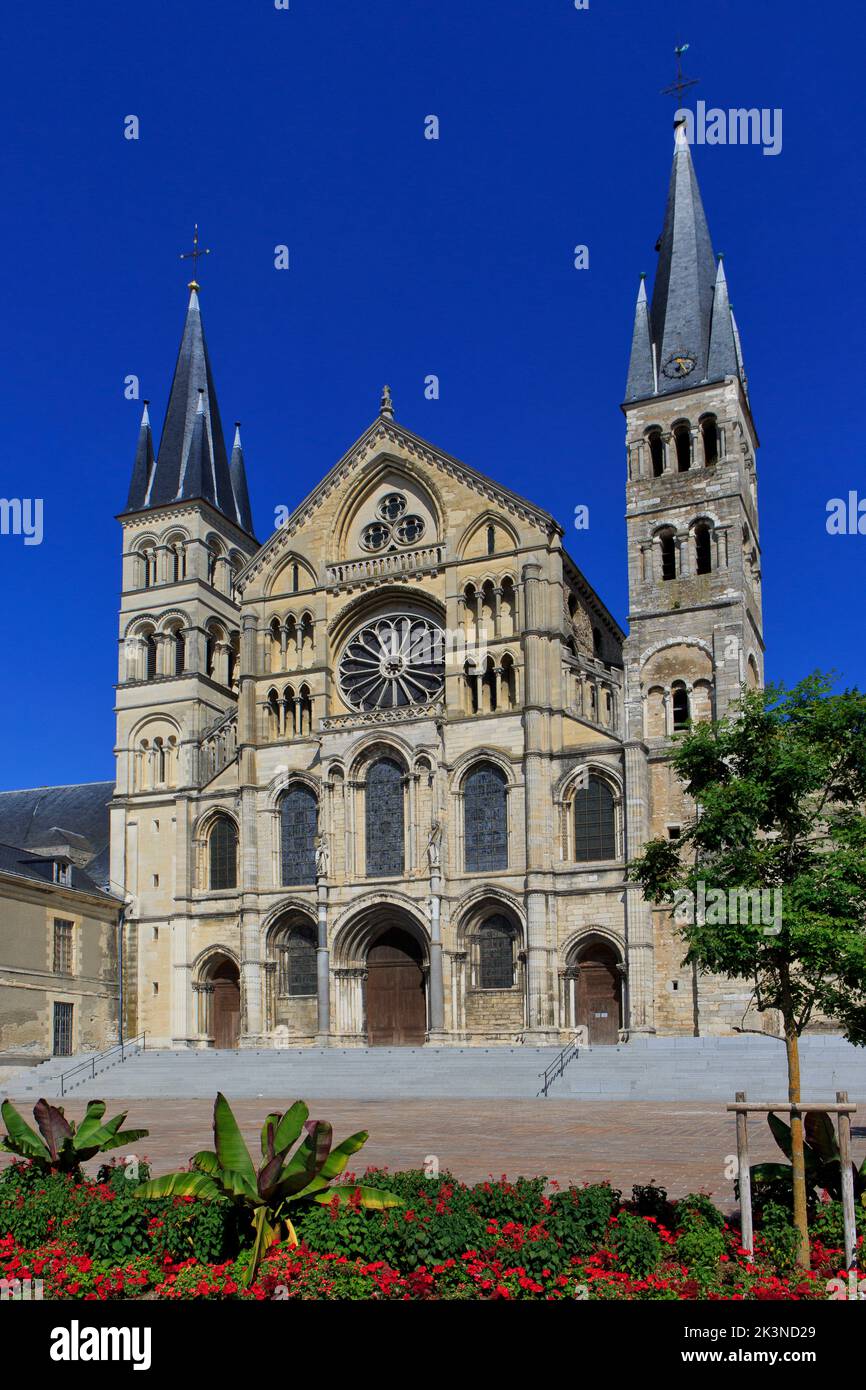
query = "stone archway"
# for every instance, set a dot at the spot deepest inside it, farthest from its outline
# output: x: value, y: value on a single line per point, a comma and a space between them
x: 598, y: 1004
x: 396, y: 991
x: 220, y: 994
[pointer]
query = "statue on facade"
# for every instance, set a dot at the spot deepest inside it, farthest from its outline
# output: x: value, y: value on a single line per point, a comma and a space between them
x: 323, y: 858
x: 434, y: 846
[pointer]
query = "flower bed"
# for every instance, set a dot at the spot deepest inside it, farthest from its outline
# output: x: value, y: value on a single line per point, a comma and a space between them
x: 497, y: 1240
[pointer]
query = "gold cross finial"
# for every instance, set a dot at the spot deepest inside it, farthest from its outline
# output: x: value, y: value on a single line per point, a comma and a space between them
x: 193, y: 255
x: 681, y: 84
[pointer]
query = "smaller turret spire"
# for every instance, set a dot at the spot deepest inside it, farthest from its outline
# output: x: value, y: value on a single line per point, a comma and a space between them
x: 238, y: 475
x: 642, y: 367
x: 143, y: 466
x: 386, y: 405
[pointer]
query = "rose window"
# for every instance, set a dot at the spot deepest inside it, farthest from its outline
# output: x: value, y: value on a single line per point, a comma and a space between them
x: 393, y: 663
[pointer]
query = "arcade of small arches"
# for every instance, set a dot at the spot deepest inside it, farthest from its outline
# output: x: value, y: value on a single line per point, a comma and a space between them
x: 678, y: 450
x: 171, y: 646
x: 700, y: 548
x: 174, y: 557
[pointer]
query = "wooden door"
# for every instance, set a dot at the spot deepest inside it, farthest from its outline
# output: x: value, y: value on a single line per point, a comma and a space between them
x: 226, y: 1010
x: 599, y: 997
x: 396, y: 1006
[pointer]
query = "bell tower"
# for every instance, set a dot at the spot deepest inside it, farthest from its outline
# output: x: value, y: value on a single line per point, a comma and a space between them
x: 187, y: 530
x: 692, y: 522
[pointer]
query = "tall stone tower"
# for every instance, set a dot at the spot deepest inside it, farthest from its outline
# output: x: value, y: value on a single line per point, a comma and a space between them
x: 187, y: 530
x: 693, y: 550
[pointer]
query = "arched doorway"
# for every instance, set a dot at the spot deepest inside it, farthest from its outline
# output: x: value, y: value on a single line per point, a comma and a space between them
x: 599, y: 994
x: 226, y: 1012
x: 395, y: 994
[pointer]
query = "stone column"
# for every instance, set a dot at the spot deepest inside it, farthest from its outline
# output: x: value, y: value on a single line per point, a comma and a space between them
x: 540, y: 1022
x: 323, y: 971
x: 437, y: 987
x: 640, y: 954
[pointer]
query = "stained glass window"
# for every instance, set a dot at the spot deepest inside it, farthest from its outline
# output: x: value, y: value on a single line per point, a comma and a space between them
x: 297, y: 962
x: 298, y: 825
x: 495, y: 954
x: 223, y: 847
x: 485, y: 819
x: 594, y: 822
x: 384, y: 816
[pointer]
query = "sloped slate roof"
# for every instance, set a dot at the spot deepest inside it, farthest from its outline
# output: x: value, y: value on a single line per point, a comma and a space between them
x: 29, y: 816
x: 25, y: 865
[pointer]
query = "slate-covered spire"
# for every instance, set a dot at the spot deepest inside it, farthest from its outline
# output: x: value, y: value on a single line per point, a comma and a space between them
x: 641, y: 368
x: 689, y: 319
x: 191, y: 462
x: 239, y: 482
x: 143, y: 466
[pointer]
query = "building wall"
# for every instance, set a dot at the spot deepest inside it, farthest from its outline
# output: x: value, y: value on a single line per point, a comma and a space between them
x: 29, y: 986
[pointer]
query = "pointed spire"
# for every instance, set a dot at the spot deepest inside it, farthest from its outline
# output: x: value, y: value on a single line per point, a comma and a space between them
x: 143, y: 466
x: 239, y: 481
x: 683, y: 292
x: 722, y: 359
x: 641, y: 367
x: 386, y: 405
x: 690, y: 326
x: 191, y: 462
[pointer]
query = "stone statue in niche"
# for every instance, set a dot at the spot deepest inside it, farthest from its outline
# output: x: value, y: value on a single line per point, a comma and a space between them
x: 323, y: 858
x: 434, y: 846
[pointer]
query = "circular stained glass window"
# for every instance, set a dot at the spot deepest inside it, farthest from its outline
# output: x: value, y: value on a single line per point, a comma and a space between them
x: 392, y: 663
x: 410, y: 530
x: 392, y: 506
x: 375, y: 536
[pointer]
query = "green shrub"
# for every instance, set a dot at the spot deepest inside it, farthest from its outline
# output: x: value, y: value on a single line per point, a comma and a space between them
x: 36, y: 1205
x: 501, y: 1200
x: 578, y: 1217
x: 636, y: 1245
x: 697, y: 1206
x: 778, y: 1239
x: 648, y: 1199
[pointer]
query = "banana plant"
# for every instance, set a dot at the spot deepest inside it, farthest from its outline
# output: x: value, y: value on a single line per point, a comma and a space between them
x: 265, y: 1194
x: 65, y: 1144
x: 821, y: 1154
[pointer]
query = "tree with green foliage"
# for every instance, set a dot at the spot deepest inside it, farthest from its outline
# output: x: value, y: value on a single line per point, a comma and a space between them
x: 265, y: 1194
x: 779, y: 788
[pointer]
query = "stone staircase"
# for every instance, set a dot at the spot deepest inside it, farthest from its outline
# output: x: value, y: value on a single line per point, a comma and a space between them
x: 650, y: 1069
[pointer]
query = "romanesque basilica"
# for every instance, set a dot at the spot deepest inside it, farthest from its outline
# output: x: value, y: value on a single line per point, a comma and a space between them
x: 379, y: 776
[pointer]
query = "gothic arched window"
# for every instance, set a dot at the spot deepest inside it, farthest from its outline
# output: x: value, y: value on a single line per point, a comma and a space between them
x: 594, y: 822
x: 710, y: 436
x: 298, y: 827
x: 384, y: 819
x: 669, y: 555
x: 149, y: 656
x: 703, y: 549
x: 495, y: 954
x: 485, y: 819
x: 657, y: 453
x: 680, y: 704
x: 296, y: 955
x: 223, y: 854
x: 683, y: 446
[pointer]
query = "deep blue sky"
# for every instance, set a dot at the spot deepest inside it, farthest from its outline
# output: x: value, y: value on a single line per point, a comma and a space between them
x: 408, y: 257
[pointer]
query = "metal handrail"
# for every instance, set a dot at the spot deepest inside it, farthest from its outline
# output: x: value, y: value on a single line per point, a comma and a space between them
x: 556, y: 1068
x: 138, y: 1042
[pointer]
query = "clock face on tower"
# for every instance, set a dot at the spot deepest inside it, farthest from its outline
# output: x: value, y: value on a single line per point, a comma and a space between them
x: 679, y: 364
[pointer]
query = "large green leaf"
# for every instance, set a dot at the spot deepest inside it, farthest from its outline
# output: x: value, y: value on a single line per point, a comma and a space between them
x: 821, y: 1136
x: 269, y: 1131
x: 238, y: 1184
x: 117, y: 1141
x: 309, y: 1157
x: 53, y: 1126
x: 179, y: 1185
x: 232, y: 1152
x: 339, y: 1157
x: 92, y: 1122
x: 781, y: 1133
x: 371, y: 1197
x: 267, y: 1234
x: 20, y: 1138
x: 206, y: 1161
x: 290, y: 1126
x: 771, y: 1172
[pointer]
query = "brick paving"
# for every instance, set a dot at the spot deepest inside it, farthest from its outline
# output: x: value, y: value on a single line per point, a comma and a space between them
x: 683, y: 1146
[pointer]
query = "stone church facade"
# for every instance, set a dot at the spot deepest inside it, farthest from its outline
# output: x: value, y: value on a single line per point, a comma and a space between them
x: 378, y: 778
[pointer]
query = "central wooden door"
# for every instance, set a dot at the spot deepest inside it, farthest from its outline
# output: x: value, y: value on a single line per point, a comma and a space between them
x: 396, y: 1006
x: 599, y: 996
x: 226, y: 1005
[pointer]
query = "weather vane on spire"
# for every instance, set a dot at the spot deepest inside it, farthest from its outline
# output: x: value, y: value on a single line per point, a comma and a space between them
x: 193, y: 255
x: 682, y: 83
